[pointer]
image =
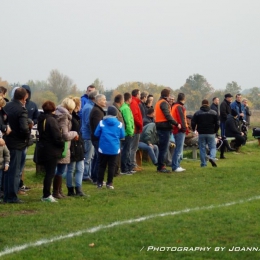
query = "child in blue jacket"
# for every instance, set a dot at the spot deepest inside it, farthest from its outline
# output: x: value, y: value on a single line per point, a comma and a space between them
x: 109, y: 130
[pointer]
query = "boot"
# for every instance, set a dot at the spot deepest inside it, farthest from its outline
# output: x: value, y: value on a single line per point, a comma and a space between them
x: 222, y: 151
x: 238, y: 149
x: 79, y: 192
x: 60, y: 187
x: 226, y: 144
x: 71, y: 191
x: 56, y: 182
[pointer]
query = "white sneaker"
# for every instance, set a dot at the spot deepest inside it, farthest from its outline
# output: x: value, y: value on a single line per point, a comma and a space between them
x: 49, y: 199
x: 179, y: 169
x: 182, y: 169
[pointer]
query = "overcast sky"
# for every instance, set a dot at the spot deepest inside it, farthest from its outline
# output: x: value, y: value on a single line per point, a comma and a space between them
x: 157, y: 41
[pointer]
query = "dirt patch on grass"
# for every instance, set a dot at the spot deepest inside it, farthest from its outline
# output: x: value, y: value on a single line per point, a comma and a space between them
x: 20, y: 212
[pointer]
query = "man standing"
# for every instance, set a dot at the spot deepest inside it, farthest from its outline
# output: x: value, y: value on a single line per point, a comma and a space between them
x: 85, y: 97
x: 247, y: 110
x: 214, y: 105
x: 96, y: 115
x: 126, y: 167
x: 179, y: 114
x: 86, y: 135
x: 16, y: 142
x: 239, y: 107
x: 142, y: 104
x: 164, y: 123
x: 205, y: 121
x: 138, y: 121
x: 225, y: 110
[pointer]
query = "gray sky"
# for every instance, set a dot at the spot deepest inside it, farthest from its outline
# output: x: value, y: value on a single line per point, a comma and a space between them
x: 157, y: 41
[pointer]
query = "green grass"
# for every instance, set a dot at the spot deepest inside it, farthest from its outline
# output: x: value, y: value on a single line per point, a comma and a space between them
x: 143, y: 194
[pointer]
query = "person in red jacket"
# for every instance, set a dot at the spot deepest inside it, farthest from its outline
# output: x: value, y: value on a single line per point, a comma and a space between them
x: 138, y: 122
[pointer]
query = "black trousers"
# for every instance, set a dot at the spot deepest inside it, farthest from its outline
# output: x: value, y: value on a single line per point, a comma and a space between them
x: 104, y: 161
x: 50, y: 167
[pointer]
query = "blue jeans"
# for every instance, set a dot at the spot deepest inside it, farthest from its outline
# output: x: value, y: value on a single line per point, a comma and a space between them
x: 61, y: 168
x: 164, y: 138
x: 125, y: 154
x: 12, y: 176
x: 178, y: 151
x: 79, y: 166
x: 152, y: 151
x: 207, y: 139
x: 222, y: 128
x: 89, y: 153
x: 94, y: 173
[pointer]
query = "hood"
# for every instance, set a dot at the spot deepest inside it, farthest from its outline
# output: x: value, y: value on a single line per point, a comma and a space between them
x: 137, y: 100
x: 28, y: 89
x: 205, y: 108
x: 230, y: 116
x: 110, y: 120
x: 62, y: 112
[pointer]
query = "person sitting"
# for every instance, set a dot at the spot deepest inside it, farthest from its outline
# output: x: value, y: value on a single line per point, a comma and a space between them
x: 191, y: 138
x: 149, y: 117
x: 232, y: 130
x: 148, y: 141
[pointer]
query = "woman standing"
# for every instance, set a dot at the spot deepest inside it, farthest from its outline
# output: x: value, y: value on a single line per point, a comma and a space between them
x: 76, y: 154
x: 64, y: 117
x: 50, y: 146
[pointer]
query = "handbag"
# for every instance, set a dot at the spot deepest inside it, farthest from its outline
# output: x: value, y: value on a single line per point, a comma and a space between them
x: 65, y: 150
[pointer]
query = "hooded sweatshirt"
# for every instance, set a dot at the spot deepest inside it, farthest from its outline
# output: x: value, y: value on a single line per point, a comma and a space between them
x: 109, y: 130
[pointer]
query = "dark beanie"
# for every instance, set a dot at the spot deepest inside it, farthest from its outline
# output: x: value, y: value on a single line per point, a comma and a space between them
x: 234, y: 112
x: 205, y: 102
x: 112, y: 111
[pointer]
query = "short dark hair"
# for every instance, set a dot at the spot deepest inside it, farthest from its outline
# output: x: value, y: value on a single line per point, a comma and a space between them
x: 91, y: 86
x: 118, y: 98
x: 213, y: 99
x: 205, y: 102
x: 127, y: 96
x: 238, y: 94
x: 48, y: 107
x: 150, y: 111
x: 165, y: 92
x: 3, y: 89
x: 181, y: 96
x: 143, y: 94
x: 135, y: 92
x: 20, y: 93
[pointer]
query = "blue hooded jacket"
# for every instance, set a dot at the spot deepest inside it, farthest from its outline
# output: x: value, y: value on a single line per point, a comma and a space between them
x: 109, y: 130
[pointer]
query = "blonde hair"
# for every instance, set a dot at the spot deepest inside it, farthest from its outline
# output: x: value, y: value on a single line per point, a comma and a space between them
x: 68, y: 103
x: 77, y: 101
x: 2, y: 102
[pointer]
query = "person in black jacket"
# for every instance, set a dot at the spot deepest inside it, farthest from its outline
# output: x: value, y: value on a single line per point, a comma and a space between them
x: 49, y: 146
x: 205, y: 121
x: 96, y: 115
x: 225, y: 110
x: 16, y: 142
x: 232, y: 129
x: 76, y: 155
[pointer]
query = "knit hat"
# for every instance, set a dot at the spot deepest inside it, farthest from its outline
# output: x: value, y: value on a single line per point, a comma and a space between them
x: 112, y: 111
x: 205, y: 102
x: 234, y: 112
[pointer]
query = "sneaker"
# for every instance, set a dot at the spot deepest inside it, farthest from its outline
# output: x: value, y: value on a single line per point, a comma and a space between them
x: 110, y: 186
x: 49, y: 199
x: 133, y: 171
x: 179, y: 169
x: 25, y: 188
x: 212, y: 163
x: 137, y: 169
x: 99, y: 186
x: 126, y: 173
x: 182, y: 169
x: 164, y: 170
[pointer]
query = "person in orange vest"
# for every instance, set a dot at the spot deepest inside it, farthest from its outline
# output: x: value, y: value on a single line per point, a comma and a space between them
x: 179, y: 113
x: 164, y: 124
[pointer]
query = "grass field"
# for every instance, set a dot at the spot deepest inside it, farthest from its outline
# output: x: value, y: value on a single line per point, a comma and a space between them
x: 190, y: 215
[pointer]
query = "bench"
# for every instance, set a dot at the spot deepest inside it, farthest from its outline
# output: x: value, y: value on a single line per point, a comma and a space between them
x: 140, y: 156
x: 194, y: 149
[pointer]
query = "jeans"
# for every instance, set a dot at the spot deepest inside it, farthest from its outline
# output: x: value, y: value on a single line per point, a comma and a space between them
x: 94, y: 173
x: 89, y: 153
x: 125, y: 154
x: 1, y: 175
x: 12, y: 176
x: 164, y: 138
x: 133, y: 149
x: 207, y: 139
x: 152, y: 151
x: 61, y: 169
x: 178, y: 151
x: 222, y: 128
x: 79, y: 166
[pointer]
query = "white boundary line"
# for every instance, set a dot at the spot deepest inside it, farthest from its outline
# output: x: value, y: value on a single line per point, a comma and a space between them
x: 14, y: 249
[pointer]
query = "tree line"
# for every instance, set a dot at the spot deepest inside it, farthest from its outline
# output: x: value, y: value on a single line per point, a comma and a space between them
x: 196, y: 88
